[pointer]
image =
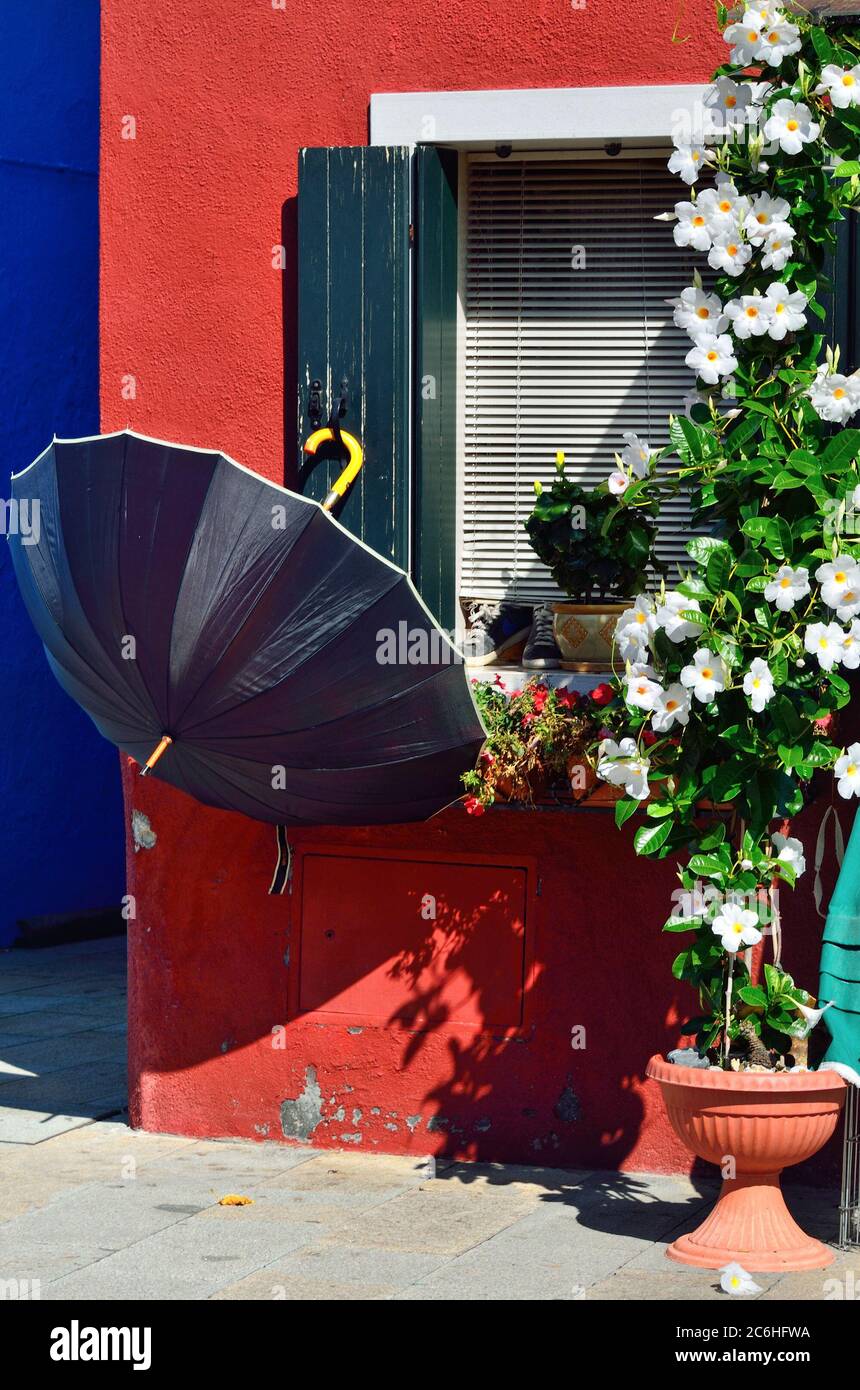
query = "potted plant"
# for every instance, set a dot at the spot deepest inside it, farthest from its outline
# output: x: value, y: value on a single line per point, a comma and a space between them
x: 537, y: 737
x: 734, y: 677
x: 598, y: 545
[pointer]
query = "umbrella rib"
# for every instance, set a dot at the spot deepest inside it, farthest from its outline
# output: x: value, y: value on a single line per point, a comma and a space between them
x: 123, y: 500
x: 191, y: 754
x: 347, y: 715
x: 126, y: 692
x: 248, y: 615
x: 335, y: 637
x: 191, y: 541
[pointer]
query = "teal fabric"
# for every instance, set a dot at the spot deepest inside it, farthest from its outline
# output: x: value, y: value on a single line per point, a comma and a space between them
x: 840, y: 961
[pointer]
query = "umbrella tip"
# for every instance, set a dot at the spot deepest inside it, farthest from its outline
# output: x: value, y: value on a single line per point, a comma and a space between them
x: 165, y: 743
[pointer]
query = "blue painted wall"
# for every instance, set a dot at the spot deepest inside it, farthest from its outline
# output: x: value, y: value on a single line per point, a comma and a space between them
x: 61, y: 832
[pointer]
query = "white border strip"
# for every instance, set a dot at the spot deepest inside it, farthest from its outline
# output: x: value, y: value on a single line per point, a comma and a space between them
x: 548, y: 115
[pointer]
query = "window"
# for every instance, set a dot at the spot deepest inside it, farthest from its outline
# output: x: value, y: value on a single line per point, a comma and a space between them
x: 566, y: 341
x: 437, y: 281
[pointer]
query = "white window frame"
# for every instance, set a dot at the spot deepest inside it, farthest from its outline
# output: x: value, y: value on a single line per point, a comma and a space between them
x: 535, y: 117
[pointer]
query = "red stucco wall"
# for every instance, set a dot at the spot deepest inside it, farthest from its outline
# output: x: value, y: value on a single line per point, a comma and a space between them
x: 223, y: 96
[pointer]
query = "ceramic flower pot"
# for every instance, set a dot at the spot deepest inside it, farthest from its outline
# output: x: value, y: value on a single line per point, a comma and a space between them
x: 584, y: 633
x: 764, y: 1122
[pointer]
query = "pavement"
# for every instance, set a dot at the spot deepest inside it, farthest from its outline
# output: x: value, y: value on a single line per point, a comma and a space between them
x: 90, y: 1209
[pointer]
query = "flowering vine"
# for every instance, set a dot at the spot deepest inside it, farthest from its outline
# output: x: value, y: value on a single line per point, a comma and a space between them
x: 739, y: 669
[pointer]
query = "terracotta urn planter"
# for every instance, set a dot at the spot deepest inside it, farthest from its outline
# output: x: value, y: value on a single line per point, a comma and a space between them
x: 764, y: 1122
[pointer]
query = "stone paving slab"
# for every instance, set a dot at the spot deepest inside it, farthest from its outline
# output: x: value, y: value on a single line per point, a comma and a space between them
x: 187, y: 1260
x: 56, y: 1024
x: 39, y: 1057
x: 94, y: 1210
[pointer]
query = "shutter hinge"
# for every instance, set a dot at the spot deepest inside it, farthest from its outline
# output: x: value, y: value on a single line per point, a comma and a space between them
x: 411, y: 233
x: 539, y: 888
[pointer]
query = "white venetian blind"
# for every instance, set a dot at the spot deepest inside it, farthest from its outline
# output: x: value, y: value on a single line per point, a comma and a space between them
x: 559, y: 357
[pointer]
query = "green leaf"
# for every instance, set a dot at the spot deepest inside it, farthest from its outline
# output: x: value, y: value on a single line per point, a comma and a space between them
x: 718, y: 567
x: 847, y: 169
x: 841, y: 449
x: 754, y: 995
x: 649, y: 838
x: 678, y: 924
x: 625, y: 807
x: 707, y: 865
x: 822, y: 45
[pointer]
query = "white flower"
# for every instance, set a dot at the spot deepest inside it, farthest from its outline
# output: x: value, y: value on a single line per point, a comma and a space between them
x: 698, y: 312
x: 711, y: 357
x: 669, y: 616
x: 687, y: 161
x: 640, y: 668
x: 812, y: 1016
x: 779, y: 39
x: 791, y: 125
x: 672, y: 706
x: 706, y: 676
x: 642, y: 692
x: 843, y: 85
x: 778, y: 247
x: 750, y: 315
x: 824, y: 640
x: 847, y: 772
x: 764, y: 215
x: 691, y: 228
x: 618, y: 482
x: 636, y: 455
x: 729, y: 100
x: 723, y: 207
x: 635, y: 628
x: 787, y: 587
x: 728, y: 253
x: 758, y: 684
x: 736, y: 927
x: 787, y: 308
x: 835, y: 397
x: 745, y: 38
x: 620, y: 765
x: 790, y: 851
x: 851, y: 646
x: 840, y: 585
x: 734, y: 1279
x: 612, y: 751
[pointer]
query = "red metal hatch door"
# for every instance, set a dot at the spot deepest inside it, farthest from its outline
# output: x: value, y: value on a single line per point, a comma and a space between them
x: 414, y: 943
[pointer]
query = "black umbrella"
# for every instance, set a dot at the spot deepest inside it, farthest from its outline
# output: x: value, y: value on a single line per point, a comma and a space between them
x: 236, y: 637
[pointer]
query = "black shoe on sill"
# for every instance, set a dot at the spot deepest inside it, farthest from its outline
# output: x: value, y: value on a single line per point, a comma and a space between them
x: 494, y: 628
x: 542, y: 653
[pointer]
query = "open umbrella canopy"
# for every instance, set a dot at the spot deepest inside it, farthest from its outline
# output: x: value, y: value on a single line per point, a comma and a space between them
x: 297, y: 674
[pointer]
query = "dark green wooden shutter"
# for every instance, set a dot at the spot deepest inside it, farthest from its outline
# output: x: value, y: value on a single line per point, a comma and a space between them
x: 843, y: 306
x: 436, y: 381
x: 353, y: 322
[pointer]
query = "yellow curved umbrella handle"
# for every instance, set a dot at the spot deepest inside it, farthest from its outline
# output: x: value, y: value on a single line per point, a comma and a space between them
x: 353, y: 467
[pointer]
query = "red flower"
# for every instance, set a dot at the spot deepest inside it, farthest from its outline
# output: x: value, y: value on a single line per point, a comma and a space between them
x: 602, y: 694
x: 605, y: 733
x: 528, y: 719
x: 568, y: 699
x: 648, y: 737
x: 539, y: 697
x: 474, y: 806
